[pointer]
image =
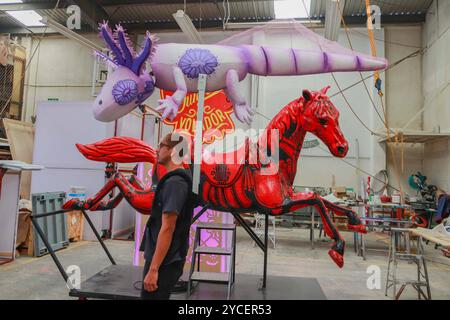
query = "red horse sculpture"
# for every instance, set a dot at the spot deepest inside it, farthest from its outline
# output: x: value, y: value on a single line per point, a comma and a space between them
x: 241, y: 186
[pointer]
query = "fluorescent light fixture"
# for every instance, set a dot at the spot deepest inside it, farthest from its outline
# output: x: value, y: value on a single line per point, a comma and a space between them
x: 274, y: 23
x: 10, y: 1
x: 29, y: 18
x: 289, y: 9
x: 187, y: 26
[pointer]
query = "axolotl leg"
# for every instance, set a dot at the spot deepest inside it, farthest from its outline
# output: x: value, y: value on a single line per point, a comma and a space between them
x: 170, y: 105
x: 241, y: 108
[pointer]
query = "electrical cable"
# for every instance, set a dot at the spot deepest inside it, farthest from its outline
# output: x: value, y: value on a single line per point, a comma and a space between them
x: 29, y: 62
x: 335, y: 80
x: 341, y: 159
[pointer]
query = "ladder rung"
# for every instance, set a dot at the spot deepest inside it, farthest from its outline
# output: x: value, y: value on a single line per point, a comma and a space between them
x: 217, y: 277
x: 409, y: 282
x: 213, y: 250
x: 261, y: 232
x: 408, y: 256
x: 216, y: 226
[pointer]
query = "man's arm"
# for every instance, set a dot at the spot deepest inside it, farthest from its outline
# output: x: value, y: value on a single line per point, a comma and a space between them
x: 165, y: 235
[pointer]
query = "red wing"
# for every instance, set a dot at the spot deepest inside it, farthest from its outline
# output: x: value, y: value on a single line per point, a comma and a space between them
x: 118, y: 149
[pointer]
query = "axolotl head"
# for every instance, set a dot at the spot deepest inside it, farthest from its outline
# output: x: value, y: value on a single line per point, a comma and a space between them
x: 128, y: 85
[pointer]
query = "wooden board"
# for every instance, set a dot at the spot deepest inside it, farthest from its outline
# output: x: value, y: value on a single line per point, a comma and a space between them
x: 23, y: 228
x: 429, y: 234
x: 21, y: 139
x: 5, y: 154
x: 75, y: 224
x: 415, y: 137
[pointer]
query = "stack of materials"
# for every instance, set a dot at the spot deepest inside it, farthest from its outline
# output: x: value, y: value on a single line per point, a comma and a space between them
x: 5, y: 152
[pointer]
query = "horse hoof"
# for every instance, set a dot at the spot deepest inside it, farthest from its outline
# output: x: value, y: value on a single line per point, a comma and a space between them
x: 360, y: 228
x: 337, y: 258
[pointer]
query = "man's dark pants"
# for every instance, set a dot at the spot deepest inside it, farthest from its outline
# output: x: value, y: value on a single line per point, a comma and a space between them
x: 168, y: 276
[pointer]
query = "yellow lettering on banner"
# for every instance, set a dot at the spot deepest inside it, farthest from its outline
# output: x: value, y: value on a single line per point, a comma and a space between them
x: 216, y: 122
x: 220, y: 115
x: 206, y: 123
x: 214, y: 119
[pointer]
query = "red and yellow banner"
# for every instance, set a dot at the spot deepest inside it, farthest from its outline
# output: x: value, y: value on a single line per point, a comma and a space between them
x: 217, y: 120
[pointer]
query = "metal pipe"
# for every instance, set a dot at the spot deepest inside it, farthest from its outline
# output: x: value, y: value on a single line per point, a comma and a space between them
x: 266, y: 231
x: 98, y: 237
x: 251, y: 233
x: 198, y: 215
x: 37, y: 227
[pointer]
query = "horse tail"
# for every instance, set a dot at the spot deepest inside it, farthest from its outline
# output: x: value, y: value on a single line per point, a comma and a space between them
x: 274, y: 61
x: 118, y: 149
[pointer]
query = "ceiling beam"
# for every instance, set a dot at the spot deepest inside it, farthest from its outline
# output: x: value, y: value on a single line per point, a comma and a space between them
x: 23, y: 30
x: 36, y: 30
x: 172, y: 25
x: 29, y: 6
x: 93, y: 11
x: 385, y: 19
x: 124, y: 2
x: 333, y: 15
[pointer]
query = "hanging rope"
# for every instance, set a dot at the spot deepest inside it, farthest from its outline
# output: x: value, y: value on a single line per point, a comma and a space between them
x: 340, y: 159
x: 377, y: 84
x: 336, y: 82
x: 376, y: 74
x: 373, y: 47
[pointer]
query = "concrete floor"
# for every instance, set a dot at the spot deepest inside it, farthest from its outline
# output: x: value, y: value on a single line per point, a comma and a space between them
x: 38, y: 278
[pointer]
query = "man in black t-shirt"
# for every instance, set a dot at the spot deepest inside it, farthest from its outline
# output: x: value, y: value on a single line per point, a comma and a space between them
x: 166, y: 238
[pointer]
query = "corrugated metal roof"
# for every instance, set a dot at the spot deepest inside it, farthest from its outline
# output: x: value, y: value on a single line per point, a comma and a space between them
x: 241, y: 10
x: 58, y: 15
x: 388, y: 7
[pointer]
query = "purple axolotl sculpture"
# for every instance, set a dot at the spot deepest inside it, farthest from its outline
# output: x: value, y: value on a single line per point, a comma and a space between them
x: 176, y: 67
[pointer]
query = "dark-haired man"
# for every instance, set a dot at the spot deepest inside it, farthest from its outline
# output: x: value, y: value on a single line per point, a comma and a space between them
x: 166, y: 237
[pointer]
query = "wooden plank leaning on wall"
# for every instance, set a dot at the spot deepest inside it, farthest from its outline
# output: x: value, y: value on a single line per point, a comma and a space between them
x: 21, y: 140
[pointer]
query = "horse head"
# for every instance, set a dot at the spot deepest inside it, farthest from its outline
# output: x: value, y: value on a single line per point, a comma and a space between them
x: 320, y: 117
x: 128, y: 85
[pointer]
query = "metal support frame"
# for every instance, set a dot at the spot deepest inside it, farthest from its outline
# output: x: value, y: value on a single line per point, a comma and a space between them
x: 397, y: 235
x: 49, y: 247
x: 252, y: 234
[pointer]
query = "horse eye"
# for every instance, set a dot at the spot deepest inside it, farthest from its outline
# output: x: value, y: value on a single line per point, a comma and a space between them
x: 323, y: 121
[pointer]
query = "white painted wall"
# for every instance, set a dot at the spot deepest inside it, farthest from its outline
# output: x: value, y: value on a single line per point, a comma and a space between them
x: 404, y: 98
x: 436, y: 90
x: 59, y: 127
x: 9, y: 202
x: 61, y: 68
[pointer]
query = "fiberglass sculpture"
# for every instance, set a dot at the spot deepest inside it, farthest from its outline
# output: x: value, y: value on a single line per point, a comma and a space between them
x: 176, y: 67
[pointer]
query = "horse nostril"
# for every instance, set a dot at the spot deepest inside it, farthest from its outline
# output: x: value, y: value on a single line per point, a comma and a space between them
x: 341, y: 149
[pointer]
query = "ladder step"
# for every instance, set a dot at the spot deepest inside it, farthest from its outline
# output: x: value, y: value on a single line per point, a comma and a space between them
x: 217, y: 277
x: 410, y: 282
x: 261, y: 232
x: 408, y: 256
x: 213, y: 250
x: 216, y: 226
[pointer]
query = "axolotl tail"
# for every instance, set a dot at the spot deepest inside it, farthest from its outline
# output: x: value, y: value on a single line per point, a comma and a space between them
x: 273, y: 61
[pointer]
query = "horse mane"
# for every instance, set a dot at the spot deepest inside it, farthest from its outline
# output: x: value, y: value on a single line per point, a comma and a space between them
x: 286, y: 120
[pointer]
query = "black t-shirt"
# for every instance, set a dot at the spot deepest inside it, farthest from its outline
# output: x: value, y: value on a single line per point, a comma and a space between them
x: 173, y: 196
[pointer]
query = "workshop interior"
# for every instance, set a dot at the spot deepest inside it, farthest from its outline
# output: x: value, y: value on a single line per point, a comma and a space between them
x: 313, y: 137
